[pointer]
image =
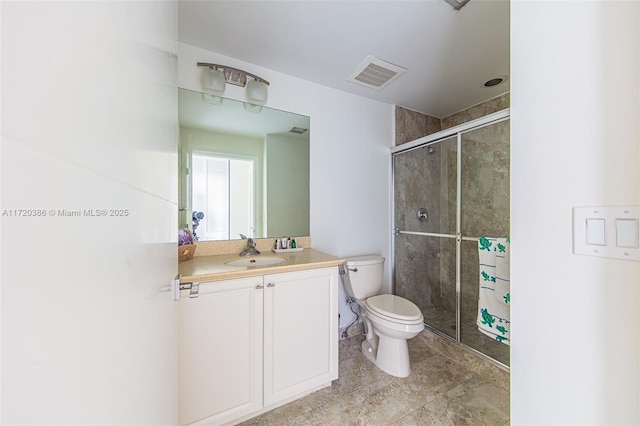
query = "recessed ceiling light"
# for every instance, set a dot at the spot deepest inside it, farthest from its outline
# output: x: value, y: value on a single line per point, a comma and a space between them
x: 298, y: 130
x: 495, y: 81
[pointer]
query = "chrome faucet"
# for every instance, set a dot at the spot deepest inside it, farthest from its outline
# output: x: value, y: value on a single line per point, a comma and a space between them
x: 251, y: 247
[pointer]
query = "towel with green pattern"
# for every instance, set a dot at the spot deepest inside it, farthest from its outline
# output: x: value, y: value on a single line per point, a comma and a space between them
x: 493, y: 309
x: 503, y: 260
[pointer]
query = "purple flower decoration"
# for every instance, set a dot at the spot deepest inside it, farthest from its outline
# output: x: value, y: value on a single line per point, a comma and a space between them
x: 183, y: 237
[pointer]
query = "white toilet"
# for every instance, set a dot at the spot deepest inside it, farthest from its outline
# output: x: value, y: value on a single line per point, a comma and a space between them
x: 390, y: 320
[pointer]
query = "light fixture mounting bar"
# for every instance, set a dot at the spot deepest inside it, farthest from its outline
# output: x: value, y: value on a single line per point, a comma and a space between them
x: 232, y: 75
x: 457, y: 4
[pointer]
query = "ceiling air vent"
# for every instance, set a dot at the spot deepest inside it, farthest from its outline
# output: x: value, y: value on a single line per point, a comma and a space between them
x: 375, y: 73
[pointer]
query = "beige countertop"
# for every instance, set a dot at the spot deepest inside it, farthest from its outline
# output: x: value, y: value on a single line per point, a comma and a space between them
x: 214, y: 268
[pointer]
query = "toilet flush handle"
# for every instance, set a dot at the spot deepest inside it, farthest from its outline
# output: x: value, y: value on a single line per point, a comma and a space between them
x: 344, y: 266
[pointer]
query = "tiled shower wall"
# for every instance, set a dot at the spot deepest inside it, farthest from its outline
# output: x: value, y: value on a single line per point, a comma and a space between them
x: 412, y: 125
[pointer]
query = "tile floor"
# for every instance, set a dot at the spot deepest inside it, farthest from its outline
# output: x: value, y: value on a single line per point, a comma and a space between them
x: 444, y: 320
x: 447, y: 386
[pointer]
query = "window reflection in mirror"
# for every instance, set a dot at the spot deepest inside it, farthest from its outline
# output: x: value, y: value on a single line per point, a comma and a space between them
x: 242, y: 172
x: 224, y: 188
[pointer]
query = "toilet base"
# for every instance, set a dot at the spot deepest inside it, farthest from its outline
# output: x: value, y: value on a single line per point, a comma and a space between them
x: 391, y: 356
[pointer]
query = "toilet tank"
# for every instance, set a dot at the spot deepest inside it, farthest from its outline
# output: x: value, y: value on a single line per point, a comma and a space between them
x: 363, y: 277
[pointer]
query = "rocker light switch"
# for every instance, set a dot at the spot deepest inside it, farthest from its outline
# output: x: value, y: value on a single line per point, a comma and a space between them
x: 607, y: 231
x: 627, y: 233
x: 595, y: 232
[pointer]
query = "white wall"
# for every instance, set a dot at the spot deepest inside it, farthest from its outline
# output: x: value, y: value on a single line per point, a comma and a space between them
x: 351, y: 139
x: 575, y: 103
x: 287, y: 187
x: 88, y: 122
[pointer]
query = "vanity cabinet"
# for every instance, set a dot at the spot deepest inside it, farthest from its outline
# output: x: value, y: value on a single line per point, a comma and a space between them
x: 248, y: 345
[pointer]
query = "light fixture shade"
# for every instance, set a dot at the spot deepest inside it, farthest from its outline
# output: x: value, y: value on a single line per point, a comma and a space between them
x: 213, y: 81
x: 212, y: 99
x: 252, y: 107
x: 256, y: 92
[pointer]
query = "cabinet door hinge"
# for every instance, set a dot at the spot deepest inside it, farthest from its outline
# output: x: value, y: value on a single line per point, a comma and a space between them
x: 194, y: 287
x: 175, y: 288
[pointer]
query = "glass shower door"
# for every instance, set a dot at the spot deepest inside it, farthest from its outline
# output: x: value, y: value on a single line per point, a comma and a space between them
x: 425, y: 187
x: 484, y: 212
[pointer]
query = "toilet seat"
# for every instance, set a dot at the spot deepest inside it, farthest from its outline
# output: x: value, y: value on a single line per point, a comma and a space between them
x: 395, y: 309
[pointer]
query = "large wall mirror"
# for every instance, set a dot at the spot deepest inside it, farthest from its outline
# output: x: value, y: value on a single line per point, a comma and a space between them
x: 243, y: 169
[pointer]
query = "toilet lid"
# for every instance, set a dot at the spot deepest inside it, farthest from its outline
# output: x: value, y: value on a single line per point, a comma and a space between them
x: 394, y: 307
x: 369, y: 259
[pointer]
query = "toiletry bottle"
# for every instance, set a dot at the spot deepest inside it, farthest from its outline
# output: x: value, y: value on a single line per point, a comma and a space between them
x: 293, y: 243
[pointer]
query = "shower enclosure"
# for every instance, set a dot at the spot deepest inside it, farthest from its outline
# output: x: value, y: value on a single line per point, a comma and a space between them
x: 451, y: 188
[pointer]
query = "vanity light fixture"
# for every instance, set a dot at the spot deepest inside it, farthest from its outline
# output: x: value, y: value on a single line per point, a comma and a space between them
x: 257, y: 92
x: 214, y: 78
x: 213, y: 81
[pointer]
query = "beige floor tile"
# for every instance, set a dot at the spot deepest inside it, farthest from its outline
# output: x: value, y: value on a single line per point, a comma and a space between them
x: 434, y: 376
x: 441, y: 390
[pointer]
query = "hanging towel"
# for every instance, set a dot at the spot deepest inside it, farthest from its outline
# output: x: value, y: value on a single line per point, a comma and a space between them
x: 493, y: 311
x: 503, y: 258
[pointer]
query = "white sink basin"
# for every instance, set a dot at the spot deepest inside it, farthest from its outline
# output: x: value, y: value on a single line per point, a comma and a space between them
x: 256, y: 261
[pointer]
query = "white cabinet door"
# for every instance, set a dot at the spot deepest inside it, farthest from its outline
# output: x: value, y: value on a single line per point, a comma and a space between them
x: 301, y: 332
x: 221, y: 351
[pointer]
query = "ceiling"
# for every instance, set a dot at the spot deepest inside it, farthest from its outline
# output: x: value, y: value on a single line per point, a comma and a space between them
x: 448, y: 54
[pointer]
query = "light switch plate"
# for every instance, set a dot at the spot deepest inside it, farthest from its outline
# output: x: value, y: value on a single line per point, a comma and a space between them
x: 606, y: 231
